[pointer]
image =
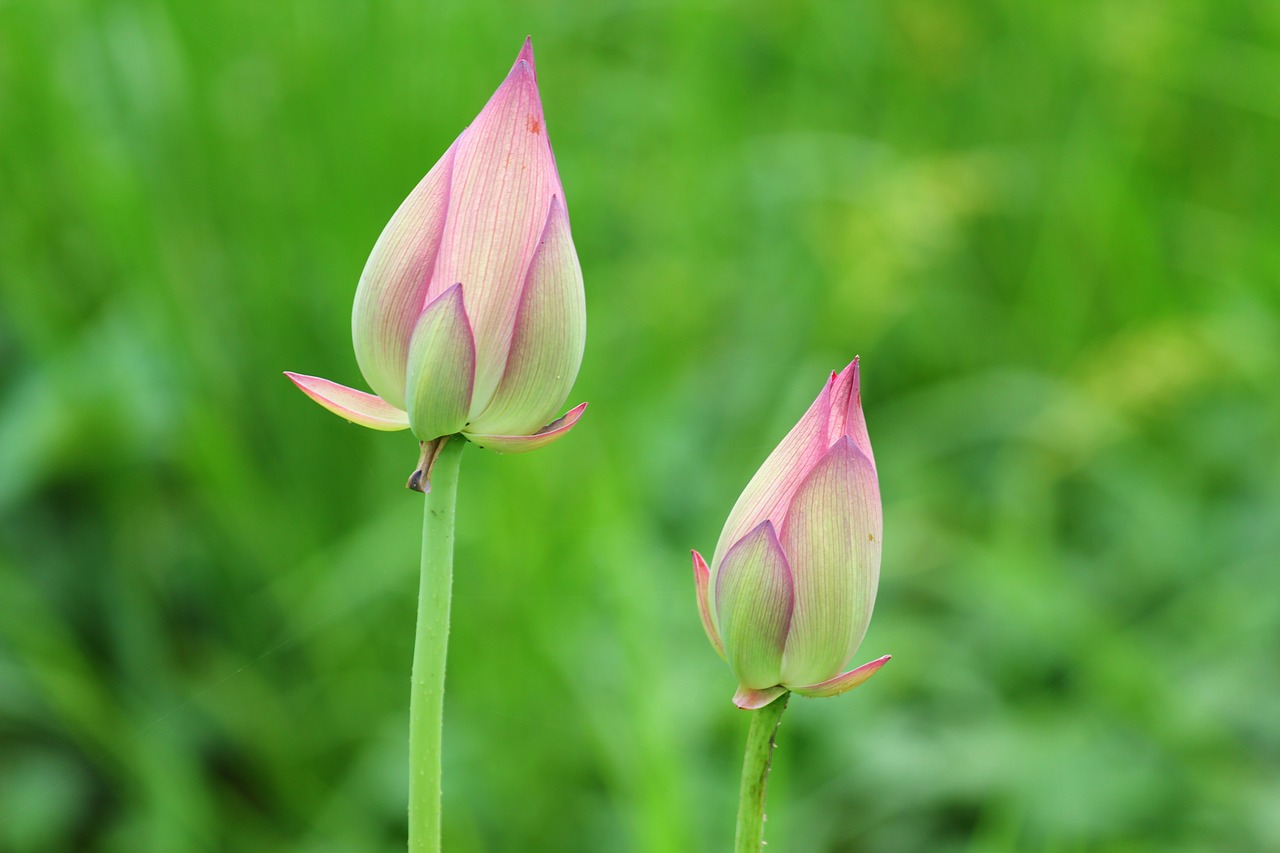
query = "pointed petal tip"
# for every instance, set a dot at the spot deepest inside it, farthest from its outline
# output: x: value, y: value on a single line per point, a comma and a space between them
x: 766, y: 529
x: 749, y: 699
x: 849, y: 373
x: 524, y: 64
x: 452, y: 292
x: 851, y: 370
x: 847, y: 417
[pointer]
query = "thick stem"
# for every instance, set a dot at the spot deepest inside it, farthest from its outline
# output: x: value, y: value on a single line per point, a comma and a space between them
x: 755, y: 775
x: 426, y: 699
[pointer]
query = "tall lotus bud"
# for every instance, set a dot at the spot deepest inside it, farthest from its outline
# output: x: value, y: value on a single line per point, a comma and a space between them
x: 789, y: 592
x: 470, y: 315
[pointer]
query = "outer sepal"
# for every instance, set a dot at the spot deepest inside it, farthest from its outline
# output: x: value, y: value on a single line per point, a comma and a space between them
x: 524, y: 443
x: 360, y: 408
x: 842, y: 683
x: 701, y: 581
x: 751, y: 700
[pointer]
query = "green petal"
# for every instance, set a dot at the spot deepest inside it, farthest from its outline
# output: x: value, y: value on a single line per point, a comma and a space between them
x: 442, y: 363
x: 550, y: 333
x: 832, y: 537
x: 356, y: 406
x: 752, y: 607
x: 393, y: 287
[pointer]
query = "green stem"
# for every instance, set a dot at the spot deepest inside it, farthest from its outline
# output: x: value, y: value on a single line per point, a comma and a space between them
x: 430, y: 648
x: 755, y: 775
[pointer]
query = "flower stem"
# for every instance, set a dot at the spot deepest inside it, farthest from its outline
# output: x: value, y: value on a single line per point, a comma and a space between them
x: 430, y: 649
x: 755, y: 775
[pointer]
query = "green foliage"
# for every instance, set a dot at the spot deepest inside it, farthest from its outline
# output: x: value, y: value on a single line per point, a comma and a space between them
x: 1052, y: 232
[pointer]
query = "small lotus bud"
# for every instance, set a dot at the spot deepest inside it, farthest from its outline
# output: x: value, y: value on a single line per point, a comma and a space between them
x: 790, y: 589
x: 470, y: 315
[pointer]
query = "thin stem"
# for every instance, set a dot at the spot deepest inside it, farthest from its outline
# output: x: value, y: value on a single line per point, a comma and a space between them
x: 755, y: 775
x: 430, y: 649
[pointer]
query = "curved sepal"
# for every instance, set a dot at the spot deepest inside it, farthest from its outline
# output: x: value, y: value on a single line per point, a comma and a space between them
x: 701, y: 581
x: 832, y: 536
x: 547, y: 342
x: 442, y: 366
x: 360, y: 408
x: 842, y: 683
x: 752, y: 700
x: 524, y: 443
x: 751, y: 605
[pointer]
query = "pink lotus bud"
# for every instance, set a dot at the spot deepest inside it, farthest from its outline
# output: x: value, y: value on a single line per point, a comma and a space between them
x: 470, y: 315
x: 790, y: 589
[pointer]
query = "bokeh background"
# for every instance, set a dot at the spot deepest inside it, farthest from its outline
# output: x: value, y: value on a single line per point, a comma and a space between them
x: 1052, y: 231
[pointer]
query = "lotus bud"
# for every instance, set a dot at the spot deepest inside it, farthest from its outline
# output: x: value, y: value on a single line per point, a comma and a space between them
x: 789, y: 592
x: 470, y: 316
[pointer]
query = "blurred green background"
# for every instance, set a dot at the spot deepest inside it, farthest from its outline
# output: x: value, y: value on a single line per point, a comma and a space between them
x: 1052, y: 231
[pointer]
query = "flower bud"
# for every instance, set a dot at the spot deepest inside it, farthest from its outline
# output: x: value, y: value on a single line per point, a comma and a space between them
x: 470, y: 315
x: 789, y: 592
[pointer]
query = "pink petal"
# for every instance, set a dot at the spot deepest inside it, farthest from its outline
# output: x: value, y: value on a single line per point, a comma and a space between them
x: 524, y: 443
x: 701, y: 577
x: 846, y: 411
x: 442, y: 363
x: 550, y: 333
x: 770, y: 490
x: 356, y: 406
x: 842, y: 683
x: 393, y: 287
x: 504, y: 177
x: 832, y: 537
